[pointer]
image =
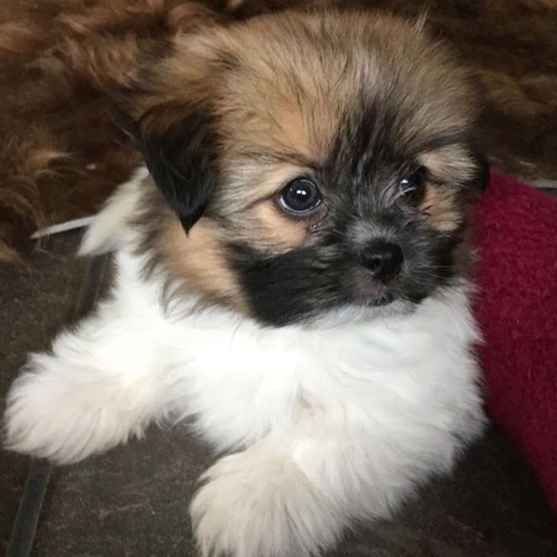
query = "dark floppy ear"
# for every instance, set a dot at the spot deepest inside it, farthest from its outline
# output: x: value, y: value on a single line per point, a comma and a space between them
x: 180, y: 149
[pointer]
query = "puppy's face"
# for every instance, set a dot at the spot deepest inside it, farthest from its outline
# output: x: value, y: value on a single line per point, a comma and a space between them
x: 309, y: 162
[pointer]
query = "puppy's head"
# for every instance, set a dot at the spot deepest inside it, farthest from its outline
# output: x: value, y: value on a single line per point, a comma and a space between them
x: 309, y: 162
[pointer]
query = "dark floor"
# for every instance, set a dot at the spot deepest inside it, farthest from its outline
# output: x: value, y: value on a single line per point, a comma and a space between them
x: 133, y: 501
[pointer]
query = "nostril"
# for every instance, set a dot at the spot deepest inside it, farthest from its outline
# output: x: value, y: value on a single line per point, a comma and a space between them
x: 383, y: 259
x: 374, y: 262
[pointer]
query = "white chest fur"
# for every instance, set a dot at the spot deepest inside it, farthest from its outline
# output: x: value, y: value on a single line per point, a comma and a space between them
x: 398, y: 376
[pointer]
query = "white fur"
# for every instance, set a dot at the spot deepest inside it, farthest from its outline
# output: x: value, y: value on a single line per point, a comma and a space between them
x: 328, y: 423
x: 107, y: 231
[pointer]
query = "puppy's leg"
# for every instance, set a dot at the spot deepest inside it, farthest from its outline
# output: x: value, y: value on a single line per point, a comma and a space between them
x: 293, y: 493
x: 100, y: 385
x: 255, y: 504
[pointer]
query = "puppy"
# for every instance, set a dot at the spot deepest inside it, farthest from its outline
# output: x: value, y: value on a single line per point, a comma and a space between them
x: 292, y: 276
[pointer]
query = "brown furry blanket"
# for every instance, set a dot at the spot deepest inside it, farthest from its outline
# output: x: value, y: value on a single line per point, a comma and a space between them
x: 63, y: 61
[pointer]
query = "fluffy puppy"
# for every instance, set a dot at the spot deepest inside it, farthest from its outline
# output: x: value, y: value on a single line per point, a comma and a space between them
x: 292, y: 277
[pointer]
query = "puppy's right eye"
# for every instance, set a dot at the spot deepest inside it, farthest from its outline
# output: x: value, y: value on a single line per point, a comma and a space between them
x: 413, y: 184
x: 300, y: 197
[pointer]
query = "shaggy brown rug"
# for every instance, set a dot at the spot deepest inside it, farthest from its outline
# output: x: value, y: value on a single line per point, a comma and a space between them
x: 62, y: 61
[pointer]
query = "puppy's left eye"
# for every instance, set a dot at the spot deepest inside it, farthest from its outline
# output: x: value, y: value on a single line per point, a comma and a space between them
x: 300, y: 197
x: 413, y: 184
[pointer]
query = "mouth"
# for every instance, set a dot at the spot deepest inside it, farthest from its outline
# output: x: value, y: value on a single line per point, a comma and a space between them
x: 366, y: 291
x: 384, y: 300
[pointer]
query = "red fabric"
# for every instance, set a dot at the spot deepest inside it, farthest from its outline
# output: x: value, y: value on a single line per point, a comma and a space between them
x: 516, y: 306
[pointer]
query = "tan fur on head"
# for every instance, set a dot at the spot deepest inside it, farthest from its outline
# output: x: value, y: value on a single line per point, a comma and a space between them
x: 266, y: 101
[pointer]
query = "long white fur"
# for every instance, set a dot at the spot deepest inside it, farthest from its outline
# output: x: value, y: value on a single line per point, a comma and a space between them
x: 325, y: 423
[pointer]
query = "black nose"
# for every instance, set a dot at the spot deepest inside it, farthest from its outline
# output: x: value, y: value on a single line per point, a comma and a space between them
x: 384, y: 260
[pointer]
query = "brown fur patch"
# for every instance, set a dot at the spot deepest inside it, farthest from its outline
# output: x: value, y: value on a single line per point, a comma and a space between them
x: 445, y: 206
x: 442, y: 208
x: 198, y: 258
x: 266, y: 226
x: 449, y: 163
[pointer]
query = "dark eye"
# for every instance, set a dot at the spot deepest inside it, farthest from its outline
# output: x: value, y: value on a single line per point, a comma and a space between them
x: 413, y: 184
x: 299, y: 197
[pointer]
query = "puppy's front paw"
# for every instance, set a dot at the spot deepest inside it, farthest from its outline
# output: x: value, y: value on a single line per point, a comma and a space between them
x: 63, y: 412
x: 260, y: 505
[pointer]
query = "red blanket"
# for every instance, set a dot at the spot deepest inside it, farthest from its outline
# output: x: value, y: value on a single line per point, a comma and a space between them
x: 516, y: 231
